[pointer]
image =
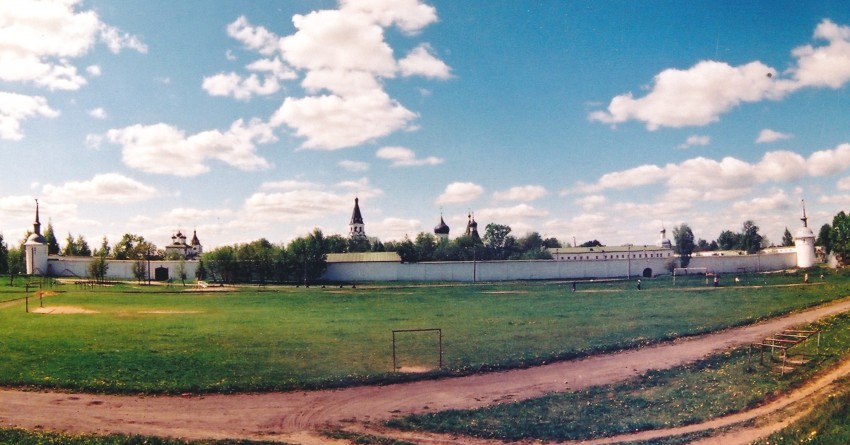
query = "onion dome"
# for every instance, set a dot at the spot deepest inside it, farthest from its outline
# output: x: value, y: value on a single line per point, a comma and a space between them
x: 442, y: 228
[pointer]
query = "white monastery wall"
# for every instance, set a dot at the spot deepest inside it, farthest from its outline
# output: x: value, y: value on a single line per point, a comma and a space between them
x: 59, y: 266
x: 548, y: 269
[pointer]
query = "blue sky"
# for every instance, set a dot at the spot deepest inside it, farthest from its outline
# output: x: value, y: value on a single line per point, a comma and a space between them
x: 599, y: 120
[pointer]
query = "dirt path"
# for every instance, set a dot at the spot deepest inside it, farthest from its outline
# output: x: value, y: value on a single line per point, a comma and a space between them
x: 297, y: 416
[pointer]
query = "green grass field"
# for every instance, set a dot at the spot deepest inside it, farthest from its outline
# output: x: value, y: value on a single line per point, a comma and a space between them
x: 164, y: 340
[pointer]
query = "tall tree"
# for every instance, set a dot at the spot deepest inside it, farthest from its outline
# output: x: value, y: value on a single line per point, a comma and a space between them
x: 50, y: 238
x: 787, y: 238
x: 684, y: 239
x: 496, y: 239
x: 751, y: 240
x: 4, y: 256
x: 308, y: 259
x: 16, y: 264
x: 839, y: 238
x: 729, y: 240
x: 823, y: 239
x: 98, y: 268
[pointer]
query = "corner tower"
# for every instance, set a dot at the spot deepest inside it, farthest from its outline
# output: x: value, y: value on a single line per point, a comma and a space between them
x: 804, y: 242
x: 36, y: 249
x: 356, y: 228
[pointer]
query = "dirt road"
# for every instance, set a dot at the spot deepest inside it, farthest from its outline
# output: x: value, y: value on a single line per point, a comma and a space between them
x: 297, y: 416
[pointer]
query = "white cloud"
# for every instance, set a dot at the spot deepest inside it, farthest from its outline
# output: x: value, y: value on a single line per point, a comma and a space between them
x: 767, y: 135
x: 295, y: 205
x: 255, y: 38
x: 704, y: 179
x: 460, y: 192
x: 693, y: 97
x: 591, y: 201
x: 777, y: 200
x: 699, y: 95
x: 93, y: 70
x: 353, y: 166
x: 290, y: 185
x: 824, y: 66
x: 695, y: 140
x: 420, y: 62
x: 232, y: 84
x: 521, y: 193
x: 405, y: 157
x: 395, y: 229
x: 164, y: 149
x: 843, y: 184
x: 39, y: 38
x: 108, y: 187
x: 98, y: 113
x: 332, y: 122
x: 191, y: 215
x: 15, y: 108
x: 517, y: 212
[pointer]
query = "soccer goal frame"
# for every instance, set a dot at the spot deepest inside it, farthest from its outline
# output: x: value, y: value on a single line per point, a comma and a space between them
x: 439, y: 332
x: 687, y: 271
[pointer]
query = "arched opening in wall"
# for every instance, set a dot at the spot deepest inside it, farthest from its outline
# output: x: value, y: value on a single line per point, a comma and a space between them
x: 161, y: 273
x: 647, y: 273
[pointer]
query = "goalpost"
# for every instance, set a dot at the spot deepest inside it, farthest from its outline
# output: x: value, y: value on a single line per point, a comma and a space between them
x: 411, y: 347
x: 689, y: 272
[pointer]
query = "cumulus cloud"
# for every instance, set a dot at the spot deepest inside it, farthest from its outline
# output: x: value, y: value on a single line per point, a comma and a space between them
x: 824, y: 66
x: 295, y: 200
x: 776, y: 200
x: 353, y: 166
x: 420, y: 62
x: 332, y: 122
x: 234, y: 85
x: 405, y: 157
x: 767, y: 135
x: 707, y: 179
x: 517, y: 212
x: 460, y: 192
x: 98, y: 113
x: 695, y: 140
x: 164, y: 149
x: 521, y: 193
x: 38, y: 41
x: 15, y: 108
x: 697, y: 96
x: 108, y: 187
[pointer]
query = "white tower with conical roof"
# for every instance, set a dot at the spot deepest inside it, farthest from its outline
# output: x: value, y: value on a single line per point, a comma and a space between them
x: 804, y: 242
x: 36, y: 249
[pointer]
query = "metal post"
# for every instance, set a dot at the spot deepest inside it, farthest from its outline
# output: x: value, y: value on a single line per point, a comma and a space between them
x: 394, y: 361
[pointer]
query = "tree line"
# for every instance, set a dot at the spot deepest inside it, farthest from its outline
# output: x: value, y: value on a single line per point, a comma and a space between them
x: 304, y: 259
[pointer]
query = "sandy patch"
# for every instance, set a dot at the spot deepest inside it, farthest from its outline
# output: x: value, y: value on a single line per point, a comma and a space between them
x: 414, y: 369
x: 56, y: 310
x: 171, y: 312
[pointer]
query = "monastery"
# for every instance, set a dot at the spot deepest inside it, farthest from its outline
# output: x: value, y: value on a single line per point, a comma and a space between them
x: 567, y: 262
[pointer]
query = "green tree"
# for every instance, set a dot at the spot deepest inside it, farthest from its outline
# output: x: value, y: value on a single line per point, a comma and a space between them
x: 50, y: 238
x: 751, y: 240
x: 426, y: 245
x: 4, y: 256
x: 787, y: 238
x: 823, y: 239
x: 201, y: 271
x: 839, y: 236
x: 134, y: 247
x: 16, y: 264
x: 684, y: 239
x: 337, y: 244
x: 98, y: 268
x: 104, y: 249
x: 729, y: 240
x: 181, y: 271
x: 140, y: 270
x: 497, y: 239
x: 308, y: 258
x: 221, y: 264
x: 593, y: 243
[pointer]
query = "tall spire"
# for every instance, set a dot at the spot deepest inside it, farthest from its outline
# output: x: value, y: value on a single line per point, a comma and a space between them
x: 805, y: 219
x: 36, y: 227
x: 357, y: 229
